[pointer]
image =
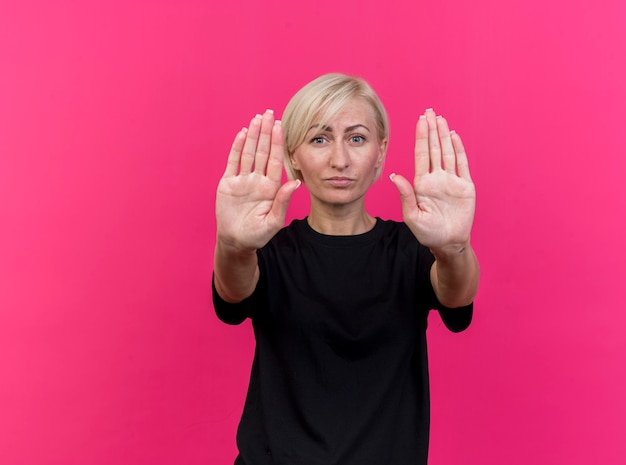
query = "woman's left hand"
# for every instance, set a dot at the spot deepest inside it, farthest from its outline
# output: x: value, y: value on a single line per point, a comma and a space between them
x: 439, y: 207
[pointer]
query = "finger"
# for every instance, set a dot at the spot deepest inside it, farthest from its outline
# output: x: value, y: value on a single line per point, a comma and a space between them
x: 264, y: 144
x: 447, y: 150
x: 407, y: 194
x: 434, y: 146
x: 249, y: 147
x: 283, y: 197
x: 275, y: 161
x: 422, y: 158
x: 462, y: 165
x: 234, y: 157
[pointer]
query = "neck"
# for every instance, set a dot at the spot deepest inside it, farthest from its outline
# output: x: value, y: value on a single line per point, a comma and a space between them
x: 335, y: 223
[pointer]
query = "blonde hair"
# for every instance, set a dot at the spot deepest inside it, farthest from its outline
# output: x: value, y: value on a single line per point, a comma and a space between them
x: 318, y: 102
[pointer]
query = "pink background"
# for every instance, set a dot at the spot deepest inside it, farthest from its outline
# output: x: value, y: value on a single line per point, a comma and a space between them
x: 115, y: 121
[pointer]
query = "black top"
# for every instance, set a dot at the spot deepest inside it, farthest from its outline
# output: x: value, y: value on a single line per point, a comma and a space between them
x: 340, y: 373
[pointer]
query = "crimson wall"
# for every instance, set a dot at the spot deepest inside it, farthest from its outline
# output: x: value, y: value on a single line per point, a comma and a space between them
x: 115, y: 121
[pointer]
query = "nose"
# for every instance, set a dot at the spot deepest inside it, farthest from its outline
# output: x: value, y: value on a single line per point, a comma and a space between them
x: 339, y: 155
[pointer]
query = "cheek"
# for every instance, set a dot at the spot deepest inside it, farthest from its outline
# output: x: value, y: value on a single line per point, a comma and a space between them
x: 307, y: 170
x: 300, y: 158
x: 307, y: 162
x: 376, y: 159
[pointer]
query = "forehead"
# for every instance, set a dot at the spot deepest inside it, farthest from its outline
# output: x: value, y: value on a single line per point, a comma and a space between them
x: 355, y: 111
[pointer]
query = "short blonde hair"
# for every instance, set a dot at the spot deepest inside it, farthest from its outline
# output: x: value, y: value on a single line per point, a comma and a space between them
x: 319, y: 101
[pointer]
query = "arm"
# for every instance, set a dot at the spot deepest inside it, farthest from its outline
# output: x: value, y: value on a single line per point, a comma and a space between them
x: 439, y: 209
x: 250, y: 206
x: 455, y: 277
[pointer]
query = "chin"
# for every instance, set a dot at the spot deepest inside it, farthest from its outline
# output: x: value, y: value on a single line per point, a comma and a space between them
x: 340, y: 198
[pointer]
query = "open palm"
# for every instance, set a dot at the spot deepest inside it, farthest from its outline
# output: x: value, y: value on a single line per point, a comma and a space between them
x: 439, y: 206
x: 251, y: 203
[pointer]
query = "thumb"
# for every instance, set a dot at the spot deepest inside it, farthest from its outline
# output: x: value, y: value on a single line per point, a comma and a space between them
x: 282, y: 199
x: 405, y: 189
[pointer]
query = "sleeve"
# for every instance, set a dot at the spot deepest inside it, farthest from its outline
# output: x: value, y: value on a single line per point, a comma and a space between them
x: 234, y: 314
x: 456, y: 319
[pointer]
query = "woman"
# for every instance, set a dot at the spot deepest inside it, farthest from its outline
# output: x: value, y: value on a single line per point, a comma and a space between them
x: 339, y: 300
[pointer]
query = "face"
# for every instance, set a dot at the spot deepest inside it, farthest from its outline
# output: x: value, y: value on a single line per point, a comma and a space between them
x: 339, y: 161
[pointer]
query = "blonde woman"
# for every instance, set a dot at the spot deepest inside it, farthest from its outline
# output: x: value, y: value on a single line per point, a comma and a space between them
x: 339, y: 300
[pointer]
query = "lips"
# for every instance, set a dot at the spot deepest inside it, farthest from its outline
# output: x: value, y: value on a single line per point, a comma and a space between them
x: 339, y: 181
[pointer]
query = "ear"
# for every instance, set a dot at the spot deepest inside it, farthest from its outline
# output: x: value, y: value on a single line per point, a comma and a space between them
x: 382, y: 153
x: 294, y: 162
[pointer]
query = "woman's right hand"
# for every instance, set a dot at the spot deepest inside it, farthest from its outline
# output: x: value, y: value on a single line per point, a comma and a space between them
x: 251, y: 203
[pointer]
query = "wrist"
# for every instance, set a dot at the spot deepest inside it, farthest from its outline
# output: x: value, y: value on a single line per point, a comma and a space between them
x: 233, y: 250
x: 451, y: 252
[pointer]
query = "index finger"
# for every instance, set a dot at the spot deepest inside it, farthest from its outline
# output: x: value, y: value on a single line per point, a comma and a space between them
x: 422, y: 157
x: 276, y: 158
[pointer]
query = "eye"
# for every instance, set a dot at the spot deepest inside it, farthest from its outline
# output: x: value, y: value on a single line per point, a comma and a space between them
x: 357, y: 139
x: 318, y: 140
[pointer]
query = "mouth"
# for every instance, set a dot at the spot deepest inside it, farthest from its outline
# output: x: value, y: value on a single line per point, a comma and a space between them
x: 339, y: 181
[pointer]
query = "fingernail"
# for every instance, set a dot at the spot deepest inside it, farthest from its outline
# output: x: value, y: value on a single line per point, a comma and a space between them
x: 279, y: 122
x: 258, y: 115
x: 269, y: 111
x: 391, y: 176
x: 452, y: 132
x: 422, y: 116
x: 429, y: 109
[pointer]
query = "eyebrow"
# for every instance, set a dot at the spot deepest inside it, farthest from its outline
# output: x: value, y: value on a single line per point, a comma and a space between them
x: 348, y: 129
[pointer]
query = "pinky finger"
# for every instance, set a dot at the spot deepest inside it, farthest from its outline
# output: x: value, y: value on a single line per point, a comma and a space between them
x: 462, y: 165
x: 234, y: 157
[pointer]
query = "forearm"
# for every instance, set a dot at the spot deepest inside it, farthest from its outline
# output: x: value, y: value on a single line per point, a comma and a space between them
x: 455, y: 275
x: 236, y: 272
